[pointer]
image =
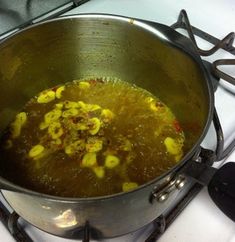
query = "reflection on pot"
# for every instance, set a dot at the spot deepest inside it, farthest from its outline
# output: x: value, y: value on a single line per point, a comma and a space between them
x: 66, y: 219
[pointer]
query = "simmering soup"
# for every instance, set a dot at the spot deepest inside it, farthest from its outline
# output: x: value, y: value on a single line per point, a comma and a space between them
x: 90, y: 138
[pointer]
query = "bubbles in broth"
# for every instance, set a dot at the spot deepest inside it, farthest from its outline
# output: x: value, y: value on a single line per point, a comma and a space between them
x: 90, y: 138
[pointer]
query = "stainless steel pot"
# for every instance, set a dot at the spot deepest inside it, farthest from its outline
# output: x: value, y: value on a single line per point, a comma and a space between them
x: 152, y: 56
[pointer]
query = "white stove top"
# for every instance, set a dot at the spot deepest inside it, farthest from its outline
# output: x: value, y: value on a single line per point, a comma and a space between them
x: 201, y: 221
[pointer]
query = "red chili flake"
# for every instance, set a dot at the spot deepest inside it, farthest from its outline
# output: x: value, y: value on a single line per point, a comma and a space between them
x: 93, y: 82
x: 159, y: 104
x: 177, y: 126
x: 54, y: 89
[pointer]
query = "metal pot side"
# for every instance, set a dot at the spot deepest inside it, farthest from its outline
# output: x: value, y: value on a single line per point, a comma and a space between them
x: 150, y: 55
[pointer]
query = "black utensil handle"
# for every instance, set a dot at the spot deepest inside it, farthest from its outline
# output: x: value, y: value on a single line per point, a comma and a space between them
x: 222, y: 189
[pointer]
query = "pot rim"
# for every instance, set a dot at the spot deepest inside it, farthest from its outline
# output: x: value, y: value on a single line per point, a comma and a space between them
x: 162, y: 34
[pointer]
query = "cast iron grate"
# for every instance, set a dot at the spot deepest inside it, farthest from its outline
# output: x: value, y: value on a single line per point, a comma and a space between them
x: 10, y: 220
x: 226, y: 44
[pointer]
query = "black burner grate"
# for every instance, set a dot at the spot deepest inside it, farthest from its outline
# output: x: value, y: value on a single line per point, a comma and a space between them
x: 226, y: 44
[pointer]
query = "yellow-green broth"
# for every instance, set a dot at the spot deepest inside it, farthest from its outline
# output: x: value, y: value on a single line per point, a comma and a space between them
x: 99, y: 138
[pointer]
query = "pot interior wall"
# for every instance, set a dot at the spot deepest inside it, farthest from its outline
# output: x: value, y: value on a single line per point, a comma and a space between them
x: 68, y: 49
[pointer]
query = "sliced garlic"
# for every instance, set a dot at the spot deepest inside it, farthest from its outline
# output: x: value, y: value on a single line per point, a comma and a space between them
x: 59, y: 105
x: 43, y: 125
x: 107, y: 115
x: 96, y: 124
x: 59, y: 91
x: 84, y: 85
x: 128, y: 186
x: 52, y: 116
x: 111, y: 161
x: 17, y: 125
x: 94, y: 145
x: 78, y: 145
x: 46, y: 96
x: 179, y: 156
x: 91, y: 107
x: 69, y: 150
x: 21, y: 118
x: 72, y: 112
x: 57, y: 142
x: 36, y: 151
x: 70, y: 104
x: 81, y: 104
x: 99, y: 171
x: 149, y: 99
x: 172, y: 146
x: 55, y: 130
x: 80, y: 126
x: 89, y: 160
x: 153, y: 106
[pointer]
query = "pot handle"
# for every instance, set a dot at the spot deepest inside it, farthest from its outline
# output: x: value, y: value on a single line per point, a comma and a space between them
x: 222, y: 189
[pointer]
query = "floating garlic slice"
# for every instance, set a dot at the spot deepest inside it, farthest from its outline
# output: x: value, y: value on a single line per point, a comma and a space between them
x: 80, y: 126
x: 70, y: 104
x: 59, y: 105
x: 46, y: 96
x: 43, y: 125
x: 172, y: 146
x: 111, y: 161
x: 94, y: 145
x: 69, y: 150
x: 81, y: 104
x: 149, y: 99
x: 17, y: 125
x: 72, y: 112
x: 52, y: 116
x: 99, y: 171
x: 178, y: 156
x: 107, y: 115
x: 36, y: 151
x: 89, y: 160
x: 78, y: 145
x: 84, y: 85
x: 59, y: 91
x: 21, y: 118
x: 55, y: 130
x: 128, y: 186
x: 91, y: 107
x: 57, y: 142
x: 153, y: 106
x: 96, y: 124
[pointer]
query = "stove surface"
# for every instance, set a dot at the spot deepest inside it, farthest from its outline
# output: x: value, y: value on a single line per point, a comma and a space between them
x: 201, y: 221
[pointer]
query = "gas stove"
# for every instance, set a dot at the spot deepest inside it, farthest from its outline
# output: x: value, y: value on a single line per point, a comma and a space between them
x: 196, y: 217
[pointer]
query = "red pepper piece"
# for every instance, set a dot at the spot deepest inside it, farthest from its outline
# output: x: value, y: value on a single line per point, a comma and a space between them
x: 177, y: 126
